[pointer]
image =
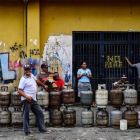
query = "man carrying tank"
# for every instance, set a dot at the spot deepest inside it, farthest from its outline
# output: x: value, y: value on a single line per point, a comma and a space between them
x: 27, y: 89
x: 121, y: 83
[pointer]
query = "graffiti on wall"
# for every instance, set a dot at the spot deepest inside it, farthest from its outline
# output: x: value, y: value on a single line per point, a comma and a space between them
x: 113, y: 62
x: 15, y: 47
x: 34, y: 52
x: 7, y: 74
x: 13, y: 58
x: 23, y: 54
x: 58, y: 54
x: 8, y: 69
x: 35, y: 65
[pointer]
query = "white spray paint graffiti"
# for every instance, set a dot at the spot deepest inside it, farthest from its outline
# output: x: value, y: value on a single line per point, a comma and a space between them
x: 58, y: 55
x: 34, y: 41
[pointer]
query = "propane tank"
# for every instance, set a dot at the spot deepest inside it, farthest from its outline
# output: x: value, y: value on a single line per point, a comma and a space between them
x: 5, y: 117
x: 43, y: 98
x: 5, y: 98
x: 16, y: 99
x: 17, y: 116
x: 115, y: 117
x: 87, y: 118
x: 68, y: 95
x: 116, y: 97
x: 46, y: 117
x: 139, y: 118
x: 55, y: 100
x: 102, y: 118
x: 101, y: 96
x: 131, y: 116
x: 86, y: 97
x: 130, y: 96
x: 56, y: 118
x: 32, y: 119
x: 69, y: 117
x: 7, y: 87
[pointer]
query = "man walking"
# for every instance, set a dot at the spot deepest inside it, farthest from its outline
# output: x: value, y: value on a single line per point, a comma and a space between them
x: 27, y: 89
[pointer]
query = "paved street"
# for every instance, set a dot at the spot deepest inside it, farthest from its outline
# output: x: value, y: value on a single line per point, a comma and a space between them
x: 75, y: 133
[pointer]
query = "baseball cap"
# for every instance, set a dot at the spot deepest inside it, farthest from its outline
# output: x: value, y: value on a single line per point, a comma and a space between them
x: 27, y: 66
x: 124, y: 76
x: 44, y: 66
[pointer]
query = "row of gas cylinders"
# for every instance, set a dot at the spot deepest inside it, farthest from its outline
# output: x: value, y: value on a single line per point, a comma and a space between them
x: 16, y: 118
x: 57, y: 118
x: 102, y: 118
x: 55, y: 99
x: 117, y: 97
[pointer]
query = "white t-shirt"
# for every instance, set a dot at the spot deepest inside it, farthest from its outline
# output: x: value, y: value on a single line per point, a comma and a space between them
x: 28, y: 86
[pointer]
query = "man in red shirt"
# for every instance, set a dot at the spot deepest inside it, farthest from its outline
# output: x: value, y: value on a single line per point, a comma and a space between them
x: 58, y: 81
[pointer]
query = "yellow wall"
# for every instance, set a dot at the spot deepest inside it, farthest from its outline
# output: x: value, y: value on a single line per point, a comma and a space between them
x: 65, y: 17
x: 54, y: 18
x: 11, y: 31
x: 11, y: 25
x: 33, y: 28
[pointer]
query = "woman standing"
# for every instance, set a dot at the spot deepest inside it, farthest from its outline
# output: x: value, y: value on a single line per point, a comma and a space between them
x: 83, y: 75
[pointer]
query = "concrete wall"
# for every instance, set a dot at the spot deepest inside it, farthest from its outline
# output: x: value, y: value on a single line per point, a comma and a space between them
x: 47, y: 18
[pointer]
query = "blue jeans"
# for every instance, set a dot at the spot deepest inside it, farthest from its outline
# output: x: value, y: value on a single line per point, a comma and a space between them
x: 36, y: 109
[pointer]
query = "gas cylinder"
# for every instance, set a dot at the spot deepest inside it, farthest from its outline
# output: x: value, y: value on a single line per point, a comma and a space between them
x: 139, y: 118
x: 7, y: 87
x: 46, y: 118
x: 101, y: 96
x: 115, y: 117
x: 32, y: 119
x: 130, y: 96
x: 69, y: 117
x: 102, y: 118
x: 16, y: 99
x: 131, y: 116
x: 56, y: 118
x: 55, y: 100
x: 86, y: 97
x: 68, y: 95
x: 43, y: 98
x: 17, y: 116
x: 5, y: 99
x: 5, y: 117
x: 116, y: 97
x: 87, y: 118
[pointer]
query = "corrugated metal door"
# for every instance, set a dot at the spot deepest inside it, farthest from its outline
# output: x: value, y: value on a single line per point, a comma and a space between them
x: 105, y: 54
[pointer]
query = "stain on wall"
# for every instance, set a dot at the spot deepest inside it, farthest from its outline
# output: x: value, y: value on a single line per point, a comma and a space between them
x: 58, y: 55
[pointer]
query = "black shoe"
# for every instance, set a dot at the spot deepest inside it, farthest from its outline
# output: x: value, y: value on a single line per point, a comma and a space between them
x: 45, y: 131
x: 28, y: 134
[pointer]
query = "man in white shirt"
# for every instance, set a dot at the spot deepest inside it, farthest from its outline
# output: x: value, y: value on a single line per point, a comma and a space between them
x: 27, y: 89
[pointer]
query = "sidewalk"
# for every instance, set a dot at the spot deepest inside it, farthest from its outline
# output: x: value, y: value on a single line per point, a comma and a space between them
x: 75, y: 133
